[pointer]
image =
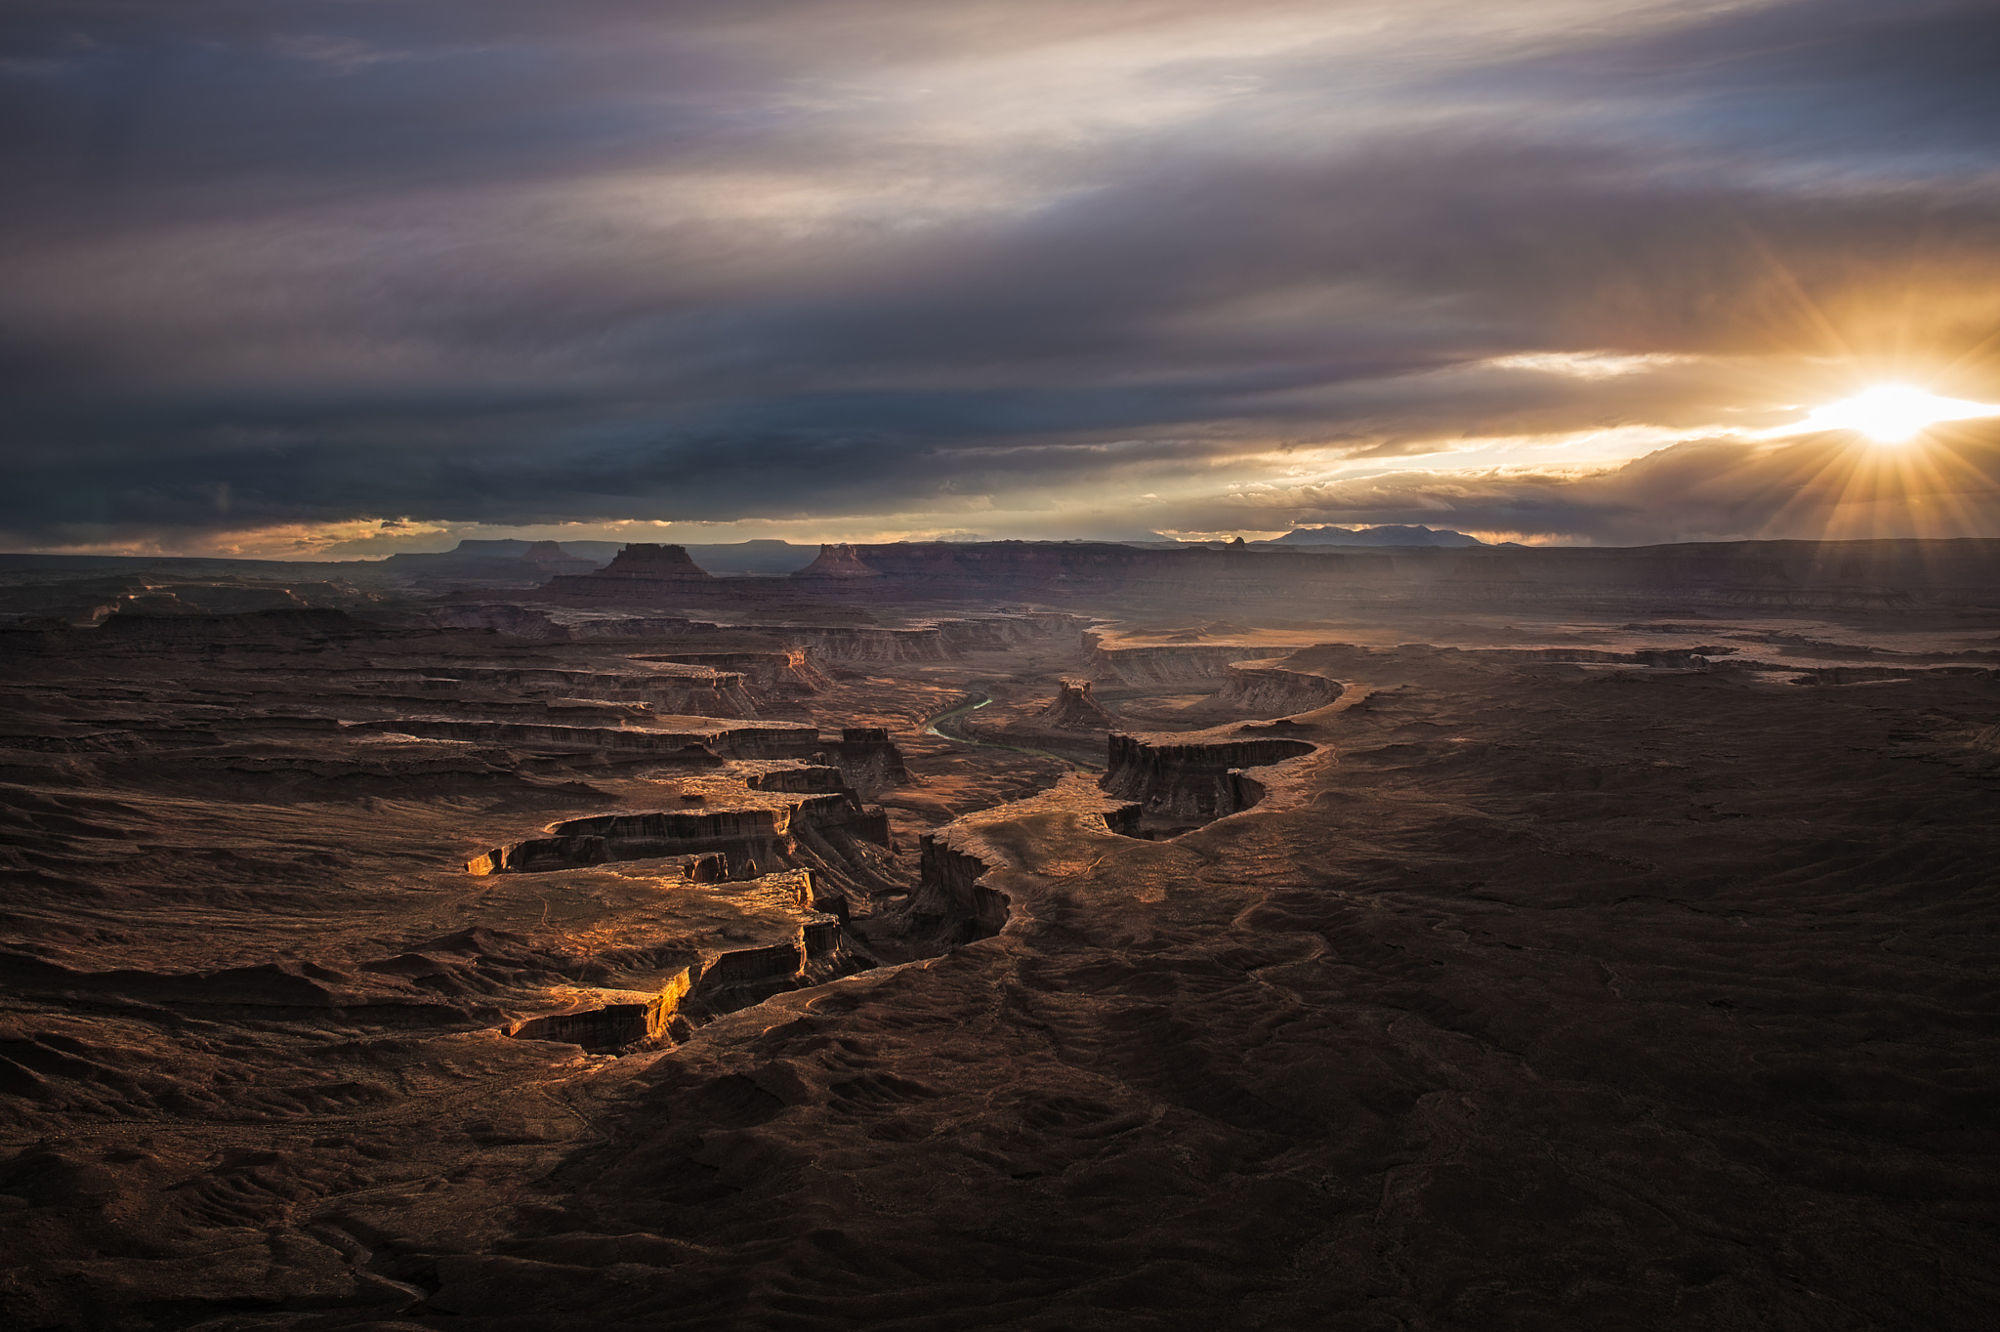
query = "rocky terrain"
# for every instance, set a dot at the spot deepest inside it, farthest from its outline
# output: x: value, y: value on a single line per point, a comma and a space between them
x: 1041, y: 935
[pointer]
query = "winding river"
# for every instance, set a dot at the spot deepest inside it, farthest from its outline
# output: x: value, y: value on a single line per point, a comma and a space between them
x: 941, y: 725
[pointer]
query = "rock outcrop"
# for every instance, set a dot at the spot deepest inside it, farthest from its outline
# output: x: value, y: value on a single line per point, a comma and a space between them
x: 782, y: 931
x: 613, y: 1025
x: 951, y: 902
x: 1182, y: 783
x: 838, y: 561
x: 818, y: 951
x: 868, y: 759
x: 1074, y: 710
x: 642, y: 572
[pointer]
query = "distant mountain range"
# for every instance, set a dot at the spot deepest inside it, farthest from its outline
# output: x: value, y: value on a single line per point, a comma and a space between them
x: 1391, y: 535
x: 473, y: 558
x: 520, y: 563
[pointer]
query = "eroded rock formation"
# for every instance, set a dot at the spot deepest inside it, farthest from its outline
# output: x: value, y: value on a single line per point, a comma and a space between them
x: 641, y: 572
x: 1189, y: 664
x: 780, y: 672
x: 868, y: 759
x: 1267, y: 689
x: 805, y: 943
x: 1184, y: 782
x: 613, y: 1025
x: 836, y: 561
x: 951, y: 902
x: 1073, y: 709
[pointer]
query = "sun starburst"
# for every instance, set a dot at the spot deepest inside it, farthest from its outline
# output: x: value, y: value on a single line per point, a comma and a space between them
x: 1895, y: 413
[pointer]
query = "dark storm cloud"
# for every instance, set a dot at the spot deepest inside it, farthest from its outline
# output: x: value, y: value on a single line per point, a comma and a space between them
x: 1906, y: 87
x: 514, y: 263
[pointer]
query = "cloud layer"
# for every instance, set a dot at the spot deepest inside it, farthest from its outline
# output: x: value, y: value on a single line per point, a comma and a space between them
x: 1040, y: 268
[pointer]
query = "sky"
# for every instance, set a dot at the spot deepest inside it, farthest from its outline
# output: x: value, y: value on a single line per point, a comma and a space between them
x: 346, y: 277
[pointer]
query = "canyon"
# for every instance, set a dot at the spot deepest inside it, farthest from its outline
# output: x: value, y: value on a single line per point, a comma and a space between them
x: 1046, y: 934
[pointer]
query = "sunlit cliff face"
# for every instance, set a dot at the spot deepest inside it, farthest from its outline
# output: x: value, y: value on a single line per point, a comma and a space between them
x: 353, y: 278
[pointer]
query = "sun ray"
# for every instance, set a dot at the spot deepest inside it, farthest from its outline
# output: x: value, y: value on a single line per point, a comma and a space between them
x: 1894, y: 413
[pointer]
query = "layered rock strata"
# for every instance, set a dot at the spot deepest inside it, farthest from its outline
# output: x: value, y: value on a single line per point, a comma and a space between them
x: 639, y: 572
x: 1073, y: 709
x: 836, y: 561
x: 1267, y: 689
x: 1179, y: 782
x: 1736, y: 575
x: 786, y: 672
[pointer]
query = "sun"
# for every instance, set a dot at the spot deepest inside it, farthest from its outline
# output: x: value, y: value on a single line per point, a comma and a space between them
x: 1894, y: 413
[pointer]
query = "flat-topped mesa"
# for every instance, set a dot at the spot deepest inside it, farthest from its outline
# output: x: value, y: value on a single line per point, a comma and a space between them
x: 1181, y: 784
x: 837, y: 560
x: 650, y: 561
x: 1074, y: 710
x: 547, y: 553
x: 640, y: 571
